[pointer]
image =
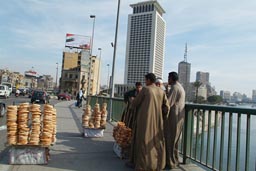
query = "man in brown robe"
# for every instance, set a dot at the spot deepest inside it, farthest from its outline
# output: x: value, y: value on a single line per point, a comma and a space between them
x: 148, y: 146
x: 174, y: 123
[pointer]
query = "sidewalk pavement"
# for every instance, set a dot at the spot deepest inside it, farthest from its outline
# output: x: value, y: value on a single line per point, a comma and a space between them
x: 73, y: 152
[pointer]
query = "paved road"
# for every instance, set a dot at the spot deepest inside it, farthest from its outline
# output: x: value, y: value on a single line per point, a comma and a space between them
x: 73, y: 152
x: 10, y: 101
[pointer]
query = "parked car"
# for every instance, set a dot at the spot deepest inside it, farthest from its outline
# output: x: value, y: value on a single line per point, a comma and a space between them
x: 29, y: 92
x: 2, y: 109
x: 23, y: 91
x: 9, y: 85
x: 13, y: 90
x: 39, y: 96
x: 4, y: 91
x: 64, y: 96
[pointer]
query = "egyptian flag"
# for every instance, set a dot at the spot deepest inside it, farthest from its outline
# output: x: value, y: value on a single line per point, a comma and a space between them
x: 70, y: 37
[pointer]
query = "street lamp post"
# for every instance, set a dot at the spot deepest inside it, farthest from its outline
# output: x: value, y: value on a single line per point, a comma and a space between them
x: 98, y: 72
x: 92, y: 16
x: 90, y: 63
x: 108, y: 79
x: 32, y: 79
x: 57, y: 74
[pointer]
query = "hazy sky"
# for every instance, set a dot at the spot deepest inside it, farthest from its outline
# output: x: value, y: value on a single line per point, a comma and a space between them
x: 221, y: 36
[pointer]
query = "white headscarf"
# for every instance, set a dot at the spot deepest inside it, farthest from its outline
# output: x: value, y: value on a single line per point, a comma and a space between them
x: 80, y: 93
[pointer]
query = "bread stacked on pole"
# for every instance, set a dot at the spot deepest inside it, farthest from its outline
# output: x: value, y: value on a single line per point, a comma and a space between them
x: 97, y: 115
x: 104, y: 114
x: 12, y: 126
x: 54, y: 124
x: 46, y: 136
x: 23, y: 129
x: 86, y: 116
x: 34, y: 138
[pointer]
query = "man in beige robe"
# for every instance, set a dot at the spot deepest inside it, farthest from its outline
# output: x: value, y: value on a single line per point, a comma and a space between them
x: 174, y: 123
x: 148, y: 146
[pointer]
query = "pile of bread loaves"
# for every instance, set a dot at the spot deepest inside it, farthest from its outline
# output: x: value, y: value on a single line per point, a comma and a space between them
x: 122, y: 134
x: 97, y: 118
x: 26, y: 124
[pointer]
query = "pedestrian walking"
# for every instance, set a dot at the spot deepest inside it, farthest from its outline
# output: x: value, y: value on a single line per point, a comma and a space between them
x: 79, y: 98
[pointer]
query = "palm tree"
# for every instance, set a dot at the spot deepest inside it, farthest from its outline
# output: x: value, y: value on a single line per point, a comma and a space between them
x: 197, y: 84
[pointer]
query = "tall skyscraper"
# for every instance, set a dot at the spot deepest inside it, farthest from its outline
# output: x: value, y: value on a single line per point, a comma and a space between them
x: 145, y: 42
x: 254, y: 96
x: 184, y: 69
x: 203, y: 77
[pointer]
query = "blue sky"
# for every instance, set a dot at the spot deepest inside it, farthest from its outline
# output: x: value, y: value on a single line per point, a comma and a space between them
x: 221, y: 36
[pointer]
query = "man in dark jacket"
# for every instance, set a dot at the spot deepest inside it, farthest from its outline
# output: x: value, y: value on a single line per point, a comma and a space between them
x: 128, y: 98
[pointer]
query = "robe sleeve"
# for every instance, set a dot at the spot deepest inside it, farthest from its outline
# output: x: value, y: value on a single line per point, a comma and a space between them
x: 165, y: 107
x: 172, y: 96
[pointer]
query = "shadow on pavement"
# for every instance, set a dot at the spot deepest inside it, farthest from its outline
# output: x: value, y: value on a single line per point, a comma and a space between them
x: 75, y: 152
x: 84, y: 154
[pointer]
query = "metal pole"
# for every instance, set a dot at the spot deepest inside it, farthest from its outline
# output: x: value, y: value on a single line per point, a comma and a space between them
x: 98, y: 72
x: 108, y: 79
x: 90, y: 63
x: 92, y: 16
x: 57, y: 75
x: 113, y: 65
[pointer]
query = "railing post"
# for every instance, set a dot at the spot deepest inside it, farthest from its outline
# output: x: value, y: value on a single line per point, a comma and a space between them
x: 247, y: 151
x: 187, y: 134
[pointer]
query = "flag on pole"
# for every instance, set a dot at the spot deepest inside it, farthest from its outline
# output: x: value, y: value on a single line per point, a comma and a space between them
x: 77, y: 41
x: 70, y: 37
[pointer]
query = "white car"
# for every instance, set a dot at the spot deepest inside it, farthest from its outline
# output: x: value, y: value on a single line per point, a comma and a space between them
x: 9, y: 85
x: 4, y: 91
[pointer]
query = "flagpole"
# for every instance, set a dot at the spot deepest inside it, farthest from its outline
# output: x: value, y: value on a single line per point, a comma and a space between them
x: 113, y: 65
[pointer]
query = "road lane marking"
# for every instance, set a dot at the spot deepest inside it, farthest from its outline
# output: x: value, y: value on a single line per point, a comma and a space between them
x: 3, y: 127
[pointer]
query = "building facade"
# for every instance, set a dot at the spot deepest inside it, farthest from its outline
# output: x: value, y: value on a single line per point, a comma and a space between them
x: 202, y: 91
x: 203, y: 77
x: 145, y: 42
x: 45, y: 82
x: 226, y: 95
x: 75, y: 72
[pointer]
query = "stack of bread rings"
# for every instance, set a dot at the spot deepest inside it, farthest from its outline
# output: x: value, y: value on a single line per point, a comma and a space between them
x: 46, y: 135
x: 34, y: 137
x: 97, y: 118
x: 41, y: 132
x: 54, y: 123
x: 104, y: 114
x: 12, y: 125
x: 86, y: 116
x: 23, y: 129
x: 97, y: 115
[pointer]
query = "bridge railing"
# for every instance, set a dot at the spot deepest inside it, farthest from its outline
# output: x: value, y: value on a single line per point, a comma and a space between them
x: 216, y: 137
x: 118, y: 105
x: 219, y: 137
